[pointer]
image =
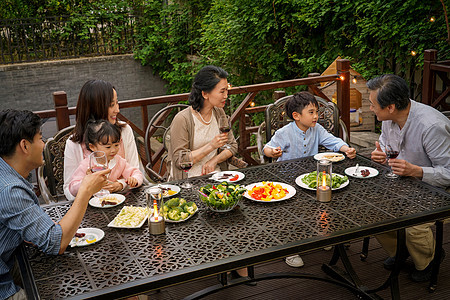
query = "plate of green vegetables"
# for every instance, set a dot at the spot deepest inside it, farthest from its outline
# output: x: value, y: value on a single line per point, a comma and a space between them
x: 309, y: 181
x: 178, y: 210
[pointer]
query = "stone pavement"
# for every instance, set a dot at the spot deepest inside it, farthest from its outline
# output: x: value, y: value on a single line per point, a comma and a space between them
x: 363, y: 141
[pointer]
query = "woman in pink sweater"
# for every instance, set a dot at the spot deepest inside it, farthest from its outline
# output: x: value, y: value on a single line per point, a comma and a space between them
x: 101, y: 135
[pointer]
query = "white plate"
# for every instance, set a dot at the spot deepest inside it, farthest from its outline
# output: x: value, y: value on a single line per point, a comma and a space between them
x: 91, y: 234
x: 300, y: 183
x: 174, y: 188
x: 172, y: 221
x: 95, y: 202
x: 217, y: 175
x: 338, y: 156
x: 111, y: 224
x: 286, y: 186
x: 351, y: 170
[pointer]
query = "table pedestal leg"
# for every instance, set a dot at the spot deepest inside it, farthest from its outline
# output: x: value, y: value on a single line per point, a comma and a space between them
x: 437, y: 256
x: 352, y: 278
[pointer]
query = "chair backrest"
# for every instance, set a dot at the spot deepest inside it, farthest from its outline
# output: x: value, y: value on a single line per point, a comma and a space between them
x: 159, y: 126
x: 276, y: 118
x: 51, y: 174
x: 446, y: 113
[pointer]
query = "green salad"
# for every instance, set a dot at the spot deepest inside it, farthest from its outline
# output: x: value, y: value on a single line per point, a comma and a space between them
x: 311, y: 180
x: 177, y: 209
x: 223, y: 196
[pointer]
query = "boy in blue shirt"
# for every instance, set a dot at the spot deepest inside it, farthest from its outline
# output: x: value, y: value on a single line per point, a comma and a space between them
x: 302, y: 138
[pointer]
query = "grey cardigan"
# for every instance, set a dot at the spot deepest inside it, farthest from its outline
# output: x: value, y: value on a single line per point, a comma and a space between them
x: 182, y: 135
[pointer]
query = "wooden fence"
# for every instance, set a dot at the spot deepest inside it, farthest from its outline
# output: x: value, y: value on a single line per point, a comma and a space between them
x: 432, y: 69
x: 62, y: 37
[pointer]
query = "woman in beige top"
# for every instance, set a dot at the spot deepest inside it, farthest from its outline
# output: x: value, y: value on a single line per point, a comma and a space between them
x: 196, y: 127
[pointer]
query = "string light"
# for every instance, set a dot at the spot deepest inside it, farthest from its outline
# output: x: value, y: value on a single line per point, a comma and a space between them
x: 229, y: 86
x: 354, y: 80
x: 342, y: 77
x: 252, y: 104
x: 432, y: 19
x: 413, y: 53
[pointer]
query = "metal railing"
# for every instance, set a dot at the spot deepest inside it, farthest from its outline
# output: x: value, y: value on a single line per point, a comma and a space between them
x: 60, y: 37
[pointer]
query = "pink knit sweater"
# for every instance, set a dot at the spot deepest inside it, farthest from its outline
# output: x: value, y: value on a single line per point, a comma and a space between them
x: 121, y: 171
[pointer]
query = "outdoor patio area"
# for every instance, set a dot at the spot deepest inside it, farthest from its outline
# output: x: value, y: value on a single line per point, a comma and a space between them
x: 371, y: 272
x: 184, y: 150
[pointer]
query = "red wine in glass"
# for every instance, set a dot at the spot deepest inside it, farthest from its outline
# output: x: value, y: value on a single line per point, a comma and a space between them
x: 391, y: 154
x: 186, y: 166
x: 225, y: 129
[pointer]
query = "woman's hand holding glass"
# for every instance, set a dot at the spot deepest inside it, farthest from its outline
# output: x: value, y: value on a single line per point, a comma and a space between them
x: 219, y: 141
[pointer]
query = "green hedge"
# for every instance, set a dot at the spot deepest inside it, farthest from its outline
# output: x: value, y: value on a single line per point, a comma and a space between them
x: 262, y: 41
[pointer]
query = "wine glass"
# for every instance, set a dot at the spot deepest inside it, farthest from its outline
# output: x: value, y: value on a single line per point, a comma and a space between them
x: 98, y: 162
x: 392, y: 150
x: 224, y: 127
x: 186, y: 164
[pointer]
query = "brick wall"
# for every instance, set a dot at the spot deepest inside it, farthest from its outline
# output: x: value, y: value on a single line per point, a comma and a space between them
x: 30, y: 86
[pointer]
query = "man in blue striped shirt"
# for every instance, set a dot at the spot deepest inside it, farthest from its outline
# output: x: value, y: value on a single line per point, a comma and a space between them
x: 21, y: 218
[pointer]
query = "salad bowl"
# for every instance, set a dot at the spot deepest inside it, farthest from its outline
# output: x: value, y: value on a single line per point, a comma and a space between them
x: 222, y: 197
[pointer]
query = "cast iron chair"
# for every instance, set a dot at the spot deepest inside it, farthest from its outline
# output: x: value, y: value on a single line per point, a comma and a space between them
x: 159, y: 125
x: 51, y: 173
x: 275, y: 118
x: 156, y: 156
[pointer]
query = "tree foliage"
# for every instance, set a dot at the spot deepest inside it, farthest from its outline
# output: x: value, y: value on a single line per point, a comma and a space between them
x: 37, y: 30
x: 265, y: 40
x: 261, y: 41
x: 13, y: 9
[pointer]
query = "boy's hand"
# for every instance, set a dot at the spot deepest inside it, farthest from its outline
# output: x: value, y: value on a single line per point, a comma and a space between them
x: 132, y: 182
x: 273, y: 152
x: 351, y: 153
x: 378, y: 155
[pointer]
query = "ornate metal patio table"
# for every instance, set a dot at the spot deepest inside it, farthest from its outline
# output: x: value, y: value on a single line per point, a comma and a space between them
x: 131, y: 261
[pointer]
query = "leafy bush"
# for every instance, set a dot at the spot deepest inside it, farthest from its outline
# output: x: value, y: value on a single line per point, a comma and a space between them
x: 261, y: 41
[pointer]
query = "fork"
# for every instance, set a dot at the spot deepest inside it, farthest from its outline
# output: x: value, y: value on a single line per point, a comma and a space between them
x: 356, y: 170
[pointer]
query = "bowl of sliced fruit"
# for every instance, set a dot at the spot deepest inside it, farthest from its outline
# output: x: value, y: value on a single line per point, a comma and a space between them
x: 222, y: 197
